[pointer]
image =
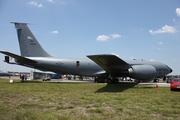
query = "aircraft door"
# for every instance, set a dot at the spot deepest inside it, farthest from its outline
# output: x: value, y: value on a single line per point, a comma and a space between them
x: 77, y: 64
x: 7, y: 59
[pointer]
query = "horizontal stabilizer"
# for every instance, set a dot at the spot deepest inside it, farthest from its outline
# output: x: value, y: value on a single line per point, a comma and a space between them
x: 17, y: 57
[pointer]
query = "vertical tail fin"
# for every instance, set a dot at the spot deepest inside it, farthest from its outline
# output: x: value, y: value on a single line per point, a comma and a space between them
x: 29, y: 46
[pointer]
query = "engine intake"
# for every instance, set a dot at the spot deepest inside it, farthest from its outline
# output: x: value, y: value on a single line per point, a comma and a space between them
x: 142, y: 72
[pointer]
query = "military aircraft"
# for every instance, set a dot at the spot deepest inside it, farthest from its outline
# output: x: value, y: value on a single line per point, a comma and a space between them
x: 4, y: 74
x: 106, y: 66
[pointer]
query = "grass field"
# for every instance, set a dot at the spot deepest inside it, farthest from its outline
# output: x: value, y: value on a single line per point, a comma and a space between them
x: 72, y: 101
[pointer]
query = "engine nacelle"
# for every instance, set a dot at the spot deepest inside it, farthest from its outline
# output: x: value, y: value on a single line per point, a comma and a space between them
x: 142, y: 72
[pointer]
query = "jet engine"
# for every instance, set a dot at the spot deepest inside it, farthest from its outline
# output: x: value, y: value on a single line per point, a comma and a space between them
x: 142, y: 72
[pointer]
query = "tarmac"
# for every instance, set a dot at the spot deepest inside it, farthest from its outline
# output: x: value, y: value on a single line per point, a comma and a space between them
x: 150, y: 84
x: 89, y: 81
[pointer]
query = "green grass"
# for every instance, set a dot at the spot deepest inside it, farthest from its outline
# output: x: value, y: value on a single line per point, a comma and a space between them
x: 72, y: 101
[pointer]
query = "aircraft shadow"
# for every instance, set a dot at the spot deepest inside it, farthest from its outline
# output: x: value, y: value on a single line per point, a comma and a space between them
x: 116, y: 87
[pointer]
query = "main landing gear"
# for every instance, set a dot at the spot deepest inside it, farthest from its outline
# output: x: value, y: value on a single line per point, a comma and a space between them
x: 156, y: 80
x: 106, y: 80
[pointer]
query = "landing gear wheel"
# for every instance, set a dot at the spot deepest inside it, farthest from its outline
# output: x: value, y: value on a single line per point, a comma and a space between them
x: 115, y: 81
x: 156, y: 80
x: 109, y: 81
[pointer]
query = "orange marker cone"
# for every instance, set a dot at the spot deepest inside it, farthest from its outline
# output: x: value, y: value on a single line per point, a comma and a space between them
x: 156, y: 85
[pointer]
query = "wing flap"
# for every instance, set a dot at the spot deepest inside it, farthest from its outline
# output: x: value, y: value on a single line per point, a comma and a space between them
x: 18, y: 58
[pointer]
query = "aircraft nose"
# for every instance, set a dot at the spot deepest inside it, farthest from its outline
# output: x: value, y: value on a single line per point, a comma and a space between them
x: 170, y: 70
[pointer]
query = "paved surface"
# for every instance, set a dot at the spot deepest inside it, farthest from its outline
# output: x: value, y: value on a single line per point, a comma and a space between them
x: 154, y: 84
x: 150, y: 84
x: 72, y: 81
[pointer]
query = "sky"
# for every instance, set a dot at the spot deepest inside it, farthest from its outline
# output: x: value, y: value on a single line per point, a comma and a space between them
x: 138, y: 29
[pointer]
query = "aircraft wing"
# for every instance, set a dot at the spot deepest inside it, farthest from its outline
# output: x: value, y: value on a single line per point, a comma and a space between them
x: 18, y: 58
x: 107, y: 61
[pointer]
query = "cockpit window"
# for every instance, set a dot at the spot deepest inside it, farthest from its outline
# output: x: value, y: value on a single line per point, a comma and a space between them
x: 169, y: 68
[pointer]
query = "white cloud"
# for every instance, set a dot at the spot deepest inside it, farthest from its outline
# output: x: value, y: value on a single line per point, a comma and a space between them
x: 178, y: 12
x: 159, y: 49
x: 40, y: 5
x: 114, y: 35
x: 106, y: 37
x: 165, y: 29
x: 35, y: 4
x: 50, y: 1
x: 160, y: 43
x: 102, y: 38
x: 152, y: 60
x: 55, y: 32
x: 174, y: 20
x: 133, y: 58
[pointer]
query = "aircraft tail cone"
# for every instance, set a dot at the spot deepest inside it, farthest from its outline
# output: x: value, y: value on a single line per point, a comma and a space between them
x: 157, y: 85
